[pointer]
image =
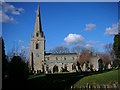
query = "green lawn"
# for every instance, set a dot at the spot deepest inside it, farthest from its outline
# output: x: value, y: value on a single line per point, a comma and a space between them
x: 35, y: 76
x: 103, y: 78
x: 63, y: 80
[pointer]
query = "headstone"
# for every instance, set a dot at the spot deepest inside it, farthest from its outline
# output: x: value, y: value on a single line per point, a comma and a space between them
x: 109, y: 86
x: 98, y: 86
x: 84, y: 67
x: 94, y: 87
x: 104, y: 87
x: 114, y: 85
x: 109, y: 66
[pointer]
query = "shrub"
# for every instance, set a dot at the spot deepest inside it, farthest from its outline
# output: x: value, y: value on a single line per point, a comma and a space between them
x: 18, y: 69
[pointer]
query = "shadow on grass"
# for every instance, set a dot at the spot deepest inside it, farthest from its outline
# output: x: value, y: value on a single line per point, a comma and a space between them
x: 60, y: 81
x: 57, y: 81
x: 53, y: 81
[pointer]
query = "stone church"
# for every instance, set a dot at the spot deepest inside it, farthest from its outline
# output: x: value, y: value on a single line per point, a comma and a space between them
x: 40, y: 61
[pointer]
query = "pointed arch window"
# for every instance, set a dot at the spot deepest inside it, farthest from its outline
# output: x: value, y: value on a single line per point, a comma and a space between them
x: 48, y: 58
x: 37, y: 46
x: 37, y: 34
x: 64, y: 58
x: 73, y: 58
x: 56, y: 58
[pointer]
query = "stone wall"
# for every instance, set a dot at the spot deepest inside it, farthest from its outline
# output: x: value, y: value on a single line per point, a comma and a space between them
x: 61, y: 60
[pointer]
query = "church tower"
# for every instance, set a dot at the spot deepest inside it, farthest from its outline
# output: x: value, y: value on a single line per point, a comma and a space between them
x: 37, y: 46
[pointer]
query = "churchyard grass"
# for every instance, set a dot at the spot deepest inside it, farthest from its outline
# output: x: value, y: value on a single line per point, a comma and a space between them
x: 65, y: 80
x: 102, y: 78
x: 35, y: 76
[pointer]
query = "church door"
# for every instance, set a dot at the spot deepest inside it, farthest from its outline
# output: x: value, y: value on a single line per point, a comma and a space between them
x: 32, y: 62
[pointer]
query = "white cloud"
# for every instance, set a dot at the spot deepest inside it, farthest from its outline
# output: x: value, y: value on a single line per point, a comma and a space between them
x: 20, y: 41
x: 88, y: 46
x: 5, y: 18
x: 74, y: 39
x: 24, y: 47
x: 8, y: 9
x: 89, y: 27
x: 113, y: 30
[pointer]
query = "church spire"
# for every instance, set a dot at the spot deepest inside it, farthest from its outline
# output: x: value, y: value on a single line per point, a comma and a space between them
x: 38, y: 26
x: 38, y: 11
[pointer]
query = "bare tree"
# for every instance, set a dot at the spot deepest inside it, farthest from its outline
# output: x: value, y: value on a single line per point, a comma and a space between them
x: 77, y: 49
x: 60, y: 49
x: 22, y: 52
x: 84, y: 57
x: 109, y: 49
x: 10, y: 54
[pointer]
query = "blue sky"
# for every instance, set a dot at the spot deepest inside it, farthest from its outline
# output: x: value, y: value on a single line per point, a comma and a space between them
x: 87, y: 24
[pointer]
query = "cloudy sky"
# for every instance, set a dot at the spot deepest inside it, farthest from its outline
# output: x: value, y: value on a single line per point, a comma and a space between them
x: 67, y: 24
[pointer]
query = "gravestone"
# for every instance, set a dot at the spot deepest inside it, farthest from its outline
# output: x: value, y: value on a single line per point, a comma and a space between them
x: 84, y: 67
x: 109, y: 66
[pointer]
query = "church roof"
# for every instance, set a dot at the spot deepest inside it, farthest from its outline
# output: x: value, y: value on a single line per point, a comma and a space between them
x: 60, y: 53
x: 61, y: 61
